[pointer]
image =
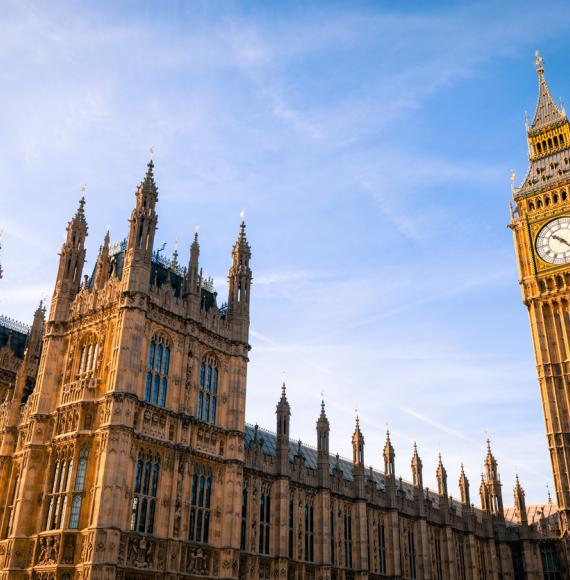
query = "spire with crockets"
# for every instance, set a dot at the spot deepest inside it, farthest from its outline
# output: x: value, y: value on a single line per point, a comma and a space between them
x: 71, y: 261
x: 239, y: 278
x: 142, y: 229
x: 547, y: 112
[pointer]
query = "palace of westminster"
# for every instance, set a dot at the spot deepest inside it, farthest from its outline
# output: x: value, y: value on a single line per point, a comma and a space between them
x: 124, y: 451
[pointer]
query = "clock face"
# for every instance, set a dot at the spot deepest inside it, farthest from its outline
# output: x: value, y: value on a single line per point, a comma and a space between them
x: 553, y: 241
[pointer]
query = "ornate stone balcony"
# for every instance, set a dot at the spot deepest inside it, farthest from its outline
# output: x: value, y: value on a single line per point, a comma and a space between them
x: 84, y: 388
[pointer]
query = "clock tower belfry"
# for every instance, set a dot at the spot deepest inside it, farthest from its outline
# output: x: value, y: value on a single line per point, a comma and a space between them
x: 540, y: 221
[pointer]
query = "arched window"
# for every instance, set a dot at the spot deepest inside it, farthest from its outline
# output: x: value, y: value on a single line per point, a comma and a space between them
x: 12, y: 505
x: 538, y: 147
x: 347, y: 538
x: 88, y: 356
x: 291, y: 524
x: 200, y: 499
x: 208, y: 394
x: 381, y: 547
x: 561, y: 139
x: 59, y: 490
x: 157, y: 371
x: 555, y: 141
x: 309, y: 531
x: 243, y: 534
x: 78, y: 488
x: 144, y: 497
x: 264, y: 520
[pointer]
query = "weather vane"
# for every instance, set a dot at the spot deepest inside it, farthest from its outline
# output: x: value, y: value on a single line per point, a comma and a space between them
x: 83, y: 189
x: 539, y: 59
x: 151, y: 151
x: 242, y: 214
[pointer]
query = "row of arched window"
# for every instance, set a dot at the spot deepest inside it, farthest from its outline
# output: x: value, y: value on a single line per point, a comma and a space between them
x: 144, y: 497
x: 157, y: 371
x: 208, y: 393
x: 61, y: 491
x: 547, y: 145
x: 88, y: 356
x: 200, y: 502
x: 546, y: 200
x: 156, y: 385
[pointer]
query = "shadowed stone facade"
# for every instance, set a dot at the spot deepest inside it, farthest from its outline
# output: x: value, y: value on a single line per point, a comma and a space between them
x: 124, y: 451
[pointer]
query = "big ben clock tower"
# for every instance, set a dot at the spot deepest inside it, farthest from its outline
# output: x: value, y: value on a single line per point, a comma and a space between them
x: 541, y: 229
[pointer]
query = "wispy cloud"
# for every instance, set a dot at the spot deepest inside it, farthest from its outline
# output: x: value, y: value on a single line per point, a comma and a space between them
x: 361, y: 142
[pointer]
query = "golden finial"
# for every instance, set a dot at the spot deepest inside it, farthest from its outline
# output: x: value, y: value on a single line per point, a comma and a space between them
x: 513, y: 178
x: 538, y: 62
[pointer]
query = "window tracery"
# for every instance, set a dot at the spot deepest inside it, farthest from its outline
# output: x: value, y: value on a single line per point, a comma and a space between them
x: 144, y: 497
x: 208, y: 390
x: 88, y: 354
x: 59, y: 489
x: 158, y: 365
x: 264, y: 519
x: 78, y: 488
x: 200, y: 501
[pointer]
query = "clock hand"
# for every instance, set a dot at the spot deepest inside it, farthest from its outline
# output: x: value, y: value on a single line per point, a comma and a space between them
x: 559, y: 239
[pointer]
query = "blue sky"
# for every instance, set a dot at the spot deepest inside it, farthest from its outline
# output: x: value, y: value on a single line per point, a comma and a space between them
x: 371, y: 149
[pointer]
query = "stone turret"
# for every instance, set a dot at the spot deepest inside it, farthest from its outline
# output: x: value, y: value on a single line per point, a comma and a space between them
x: 417, y: 467
x: 103, y: 261
x: 71, y: 261
x: 389, y: 457
x: 323, y: 434
x: 283, y: 412
x: 140, y: 243
x: 441, y: 475
x: 464, y: 488
x: 520, y: 503
x: 239, y: 279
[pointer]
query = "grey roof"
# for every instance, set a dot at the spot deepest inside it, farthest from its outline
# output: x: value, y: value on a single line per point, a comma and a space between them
x: 546, y: 172
x: 268, y: 442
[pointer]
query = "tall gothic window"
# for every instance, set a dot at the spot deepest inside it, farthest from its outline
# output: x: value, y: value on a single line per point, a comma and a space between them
x: 199, y: 528
x: 381, y: 547
x: 460, y: 558
x: 264, y: 520
x: 243, y: 538
x: 208, y: 395
x: 88, y: 356
x: 309, y: 531
x: 437, y: 556
x: 144, y: 497
x: 412, y: 553
x: 157, y: 371
x: 291, y: 524
x: 78, y: 488
x: 12, y: 505
x: 59, y: 488
x: 482, y: 561
x: 347, y: 538
x: 333, y: 560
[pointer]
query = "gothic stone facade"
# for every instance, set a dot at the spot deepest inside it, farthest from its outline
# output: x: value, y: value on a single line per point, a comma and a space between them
x: 124, y: 451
